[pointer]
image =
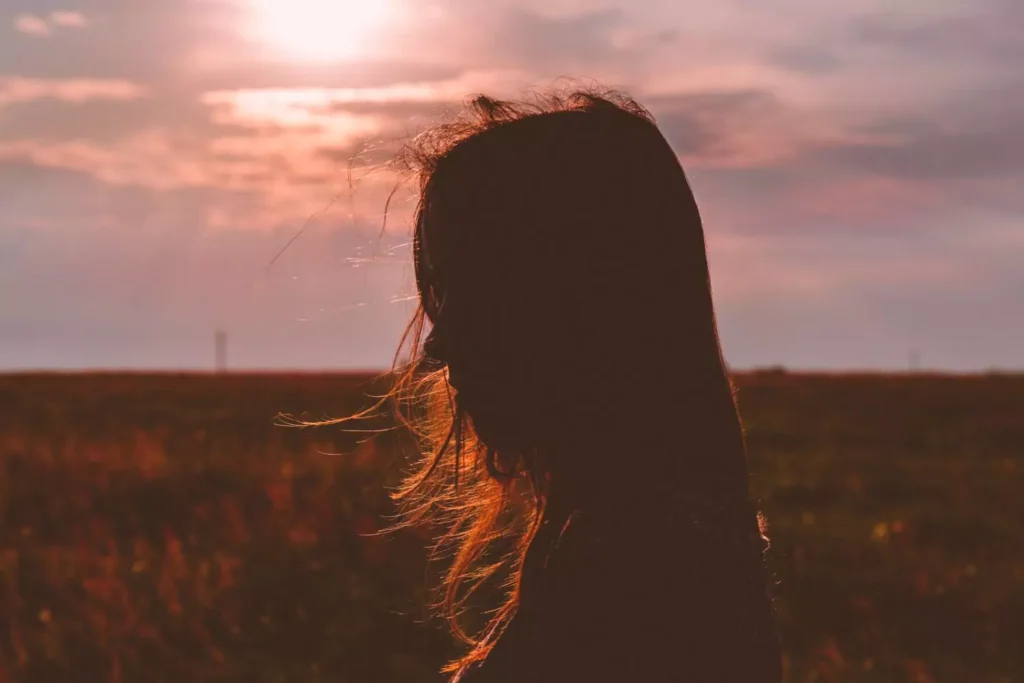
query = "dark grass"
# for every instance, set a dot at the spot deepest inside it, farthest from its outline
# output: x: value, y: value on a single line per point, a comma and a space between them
x: 161, y: 528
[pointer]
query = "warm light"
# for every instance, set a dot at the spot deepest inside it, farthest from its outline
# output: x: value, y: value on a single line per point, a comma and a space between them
x: 319, y: 30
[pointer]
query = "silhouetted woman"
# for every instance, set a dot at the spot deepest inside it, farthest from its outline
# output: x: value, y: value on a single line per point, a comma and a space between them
x: 584, y: 443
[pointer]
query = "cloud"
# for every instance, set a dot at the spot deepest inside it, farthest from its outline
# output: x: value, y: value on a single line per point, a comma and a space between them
x: 284, y: 103
x: 31, y: 25
x: 148, y: 159
x: 930, y: 153
x: 295, y: 147
x: 989, y: 35
x: 68, y: 19
x: 34, y: 25
x: 18, y: 90
x: 260, y: 140
x: 284, y: 175
x: 278, y: 141
x: 748, y: 128
x: 977, y: 136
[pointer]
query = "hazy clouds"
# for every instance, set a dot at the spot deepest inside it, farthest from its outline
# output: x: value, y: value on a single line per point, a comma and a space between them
x: 859, y: 167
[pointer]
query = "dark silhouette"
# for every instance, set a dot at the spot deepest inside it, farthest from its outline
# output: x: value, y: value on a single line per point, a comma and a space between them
x: 579, y: 416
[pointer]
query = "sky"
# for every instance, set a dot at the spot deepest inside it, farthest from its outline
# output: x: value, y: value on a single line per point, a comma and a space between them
x: 858, y: 165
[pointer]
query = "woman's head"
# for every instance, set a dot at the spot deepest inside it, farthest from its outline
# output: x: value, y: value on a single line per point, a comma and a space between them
x: 570, y: 335
x: 561, y: 266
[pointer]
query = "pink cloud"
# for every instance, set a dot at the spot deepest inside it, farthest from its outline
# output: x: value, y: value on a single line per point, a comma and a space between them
x: 281, y: 172
x: 151, y: 158
x: 18, y: 90
x: 284, y: 102
x: 866, y: 200
x: 31, y: 25
x: 68, y: 19
x: 292, y: 109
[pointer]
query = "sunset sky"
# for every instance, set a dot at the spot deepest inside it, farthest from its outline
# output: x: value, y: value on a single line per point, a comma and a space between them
x: 859, y: 165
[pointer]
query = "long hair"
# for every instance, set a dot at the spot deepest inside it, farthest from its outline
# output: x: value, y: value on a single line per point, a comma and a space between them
x: 565, y: 351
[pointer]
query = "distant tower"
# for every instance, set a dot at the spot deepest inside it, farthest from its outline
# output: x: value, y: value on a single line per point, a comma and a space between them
x: 220, y: 343
x: 915, y: 360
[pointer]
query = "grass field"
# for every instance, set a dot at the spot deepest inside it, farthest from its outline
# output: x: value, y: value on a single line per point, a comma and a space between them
x: 160, y: 528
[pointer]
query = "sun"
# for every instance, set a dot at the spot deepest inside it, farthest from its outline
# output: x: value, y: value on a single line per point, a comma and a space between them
x: 318, y: 30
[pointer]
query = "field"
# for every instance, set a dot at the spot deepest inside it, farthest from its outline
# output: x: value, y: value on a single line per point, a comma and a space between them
x: 161, y: 528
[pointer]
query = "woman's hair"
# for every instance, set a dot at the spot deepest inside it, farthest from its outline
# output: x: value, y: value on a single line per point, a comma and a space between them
x: 565, y: 350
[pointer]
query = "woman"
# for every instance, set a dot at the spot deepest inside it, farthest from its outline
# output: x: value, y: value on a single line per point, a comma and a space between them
x: 580, y: 416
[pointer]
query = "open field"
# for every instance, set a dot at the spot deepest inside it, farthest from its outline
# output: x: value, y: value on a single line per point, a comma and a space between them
x: 160, y: 528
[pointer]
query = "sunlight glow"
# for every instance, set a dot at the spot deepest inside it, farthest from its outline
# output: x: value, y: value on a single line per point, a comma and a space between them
x: 319, y: 30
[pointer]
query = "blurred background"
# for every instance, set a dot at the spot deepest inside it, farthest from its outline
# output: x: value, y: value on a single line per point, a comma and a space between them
x: 193, y: 240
